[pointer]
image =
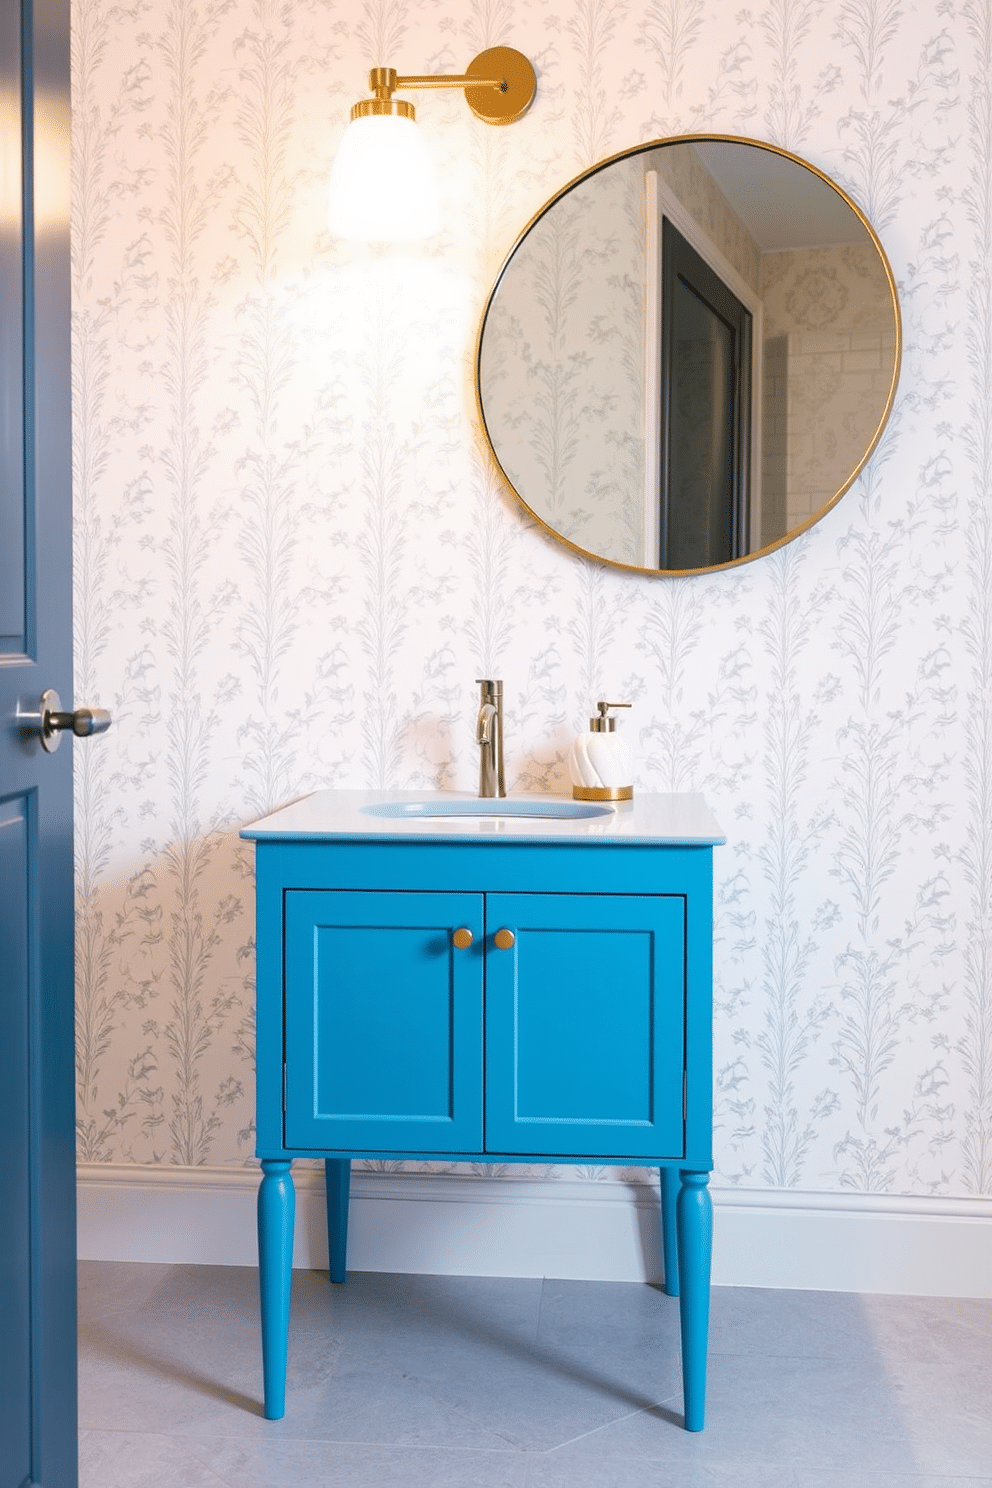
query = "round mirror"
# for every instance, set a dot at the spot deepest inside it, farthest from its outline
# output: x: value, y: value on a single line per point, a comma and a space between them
x: 689, y: 354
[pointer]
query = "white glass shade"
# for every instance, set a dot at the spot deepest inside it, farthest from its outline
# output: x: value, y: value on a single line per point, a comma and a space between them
x: 383, y: 186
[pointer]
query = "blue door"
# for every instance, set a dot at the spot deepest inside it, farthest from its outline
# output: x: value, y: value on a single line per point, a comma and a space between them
x: 37, y: 1235
x: 585, y: 1025
x: 384, y: 1023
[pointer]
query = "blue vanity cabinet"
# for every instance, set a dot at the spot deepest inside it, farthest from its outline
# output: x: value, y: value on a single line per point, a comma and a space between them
x: 383, y: 1018
x: 585, y: 1025
x: 476, y: 990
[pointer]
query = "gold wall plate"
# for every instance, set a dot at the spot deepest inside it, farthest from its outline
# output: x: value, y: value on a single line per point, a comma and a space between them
x: 493, y: 105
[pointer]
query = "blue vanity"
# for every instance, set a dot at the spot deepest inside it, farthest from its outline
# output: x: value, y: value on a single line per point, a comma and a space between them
x: 476, y: 984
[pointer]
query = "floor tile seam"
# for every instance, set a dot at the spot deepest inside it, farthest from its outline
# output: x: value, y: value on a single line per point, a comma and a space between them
x: 610, y: 1425
x: 481, y: 1424
x: 796, y: 1358
x: 203, y: 1442
x: 528, y: 1336
x: 162, y: 1431
x: 843, y: 1475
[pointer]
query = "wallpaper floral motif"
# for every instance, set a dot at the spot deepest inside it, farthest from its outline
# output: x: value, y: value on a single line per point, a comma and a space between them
x: 562, y: 365
x: 294, y: 557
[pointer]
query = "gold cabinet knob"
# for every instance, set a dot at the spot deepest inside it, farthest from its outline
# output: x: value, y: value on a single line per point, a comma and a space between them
x: 462, y: 937
x: 505, y: 940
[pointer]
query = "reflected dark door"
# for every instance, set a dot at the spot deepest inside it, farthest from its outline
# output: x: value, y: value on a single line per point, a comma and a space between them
x: 706, y: 417
x: 37, y: 1232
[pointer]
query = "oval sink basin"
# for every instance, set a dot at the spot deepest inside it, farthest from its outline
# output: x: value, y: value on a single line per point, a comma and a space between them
x: 436, y: 807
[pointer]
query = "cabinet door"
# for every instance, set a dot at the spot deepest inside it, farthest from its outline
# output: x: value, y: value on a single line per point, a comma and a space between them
x: 585, y: 1025
x: 383, y: 1022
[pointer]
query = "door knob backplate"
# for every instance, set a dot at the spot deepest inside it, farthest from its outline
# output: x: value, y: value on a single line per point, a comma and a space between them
x: 55, y: 721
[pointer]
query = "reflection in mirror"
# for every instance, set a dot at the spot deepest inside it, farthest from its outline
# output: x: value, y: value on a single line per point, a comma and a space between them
x: 689, y: 354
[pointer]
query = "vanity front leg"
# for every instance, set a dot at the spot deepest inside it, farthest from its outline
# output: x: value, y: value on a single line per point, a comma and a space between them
x: 694, y: 1226
x: 669, y: 1243
x: 276, y: 1216
x: 337, y: 1182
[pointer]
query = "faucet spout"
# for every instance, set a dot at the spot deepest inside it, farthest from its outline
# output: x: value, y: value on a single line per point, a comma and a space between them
x: 484, y: 727
x: 489, y: 737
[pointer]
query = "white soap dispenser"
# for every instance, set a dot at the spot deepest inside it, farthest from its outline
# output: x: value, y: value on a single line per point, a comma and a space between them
x: 600, y: 763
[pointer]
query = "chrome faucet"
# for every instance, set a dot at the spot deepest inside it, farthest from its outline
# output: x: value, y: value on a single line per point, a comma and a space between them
x: 489, y: 735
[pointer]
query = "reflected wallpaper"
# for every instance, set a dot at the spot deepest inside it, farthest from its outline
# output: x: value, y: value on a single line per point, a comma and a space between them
x: 293, y: 556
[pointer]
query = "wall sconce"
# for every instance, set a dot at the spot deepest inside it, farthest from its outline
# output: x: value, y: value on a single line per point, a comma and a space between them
x: 383, y: 185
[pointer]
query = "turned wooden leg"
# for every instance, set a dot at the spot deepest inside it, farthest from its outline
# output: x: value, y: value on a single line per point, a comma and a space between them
x: 337, y: 1175
x: 669, y: 1242
x: 694, y: 1227
x: 276, y: 1215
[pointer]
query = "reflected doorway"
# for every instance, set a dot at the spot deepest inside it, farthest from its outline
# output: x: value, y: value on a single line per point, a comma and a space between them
x: 705, y: 389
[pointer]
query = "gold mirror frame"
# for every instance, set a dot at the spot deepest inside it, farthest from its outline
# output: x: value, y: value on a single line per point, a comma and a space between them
x: 689, y: 139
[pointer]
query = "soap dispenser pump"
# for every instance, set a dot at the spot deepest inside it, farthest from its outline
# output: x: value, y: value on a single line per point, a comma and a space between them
x: 600, y: 763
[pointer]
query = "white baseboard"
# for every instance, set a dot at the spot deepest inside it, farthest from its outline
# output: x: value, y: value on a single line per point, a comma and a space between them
x: 467, y: 1226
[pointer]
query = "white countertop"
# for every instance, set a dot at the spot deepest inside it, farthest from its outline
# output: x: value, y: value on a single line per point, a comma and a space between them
x: 677, y: 820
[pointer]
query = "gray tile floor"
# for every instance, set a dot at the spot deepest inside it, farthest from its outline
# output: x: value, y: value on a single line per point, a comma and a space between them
x: 464, y: 1382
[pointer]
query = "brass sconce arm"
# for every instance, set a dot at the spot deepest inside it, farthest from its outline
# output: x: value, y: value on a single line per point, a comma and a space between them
x: 499, y: 87
x: 384, y: 81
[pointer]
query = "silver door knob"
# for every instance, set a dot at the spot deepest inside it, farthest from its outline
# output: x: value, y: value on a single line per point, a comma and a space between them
x: 82, y: 722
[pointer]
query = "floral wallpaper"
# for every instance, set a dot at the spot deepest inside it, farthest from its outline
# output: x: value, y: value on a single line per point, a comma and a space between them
x: 562, y: 365
x: 294, y: 557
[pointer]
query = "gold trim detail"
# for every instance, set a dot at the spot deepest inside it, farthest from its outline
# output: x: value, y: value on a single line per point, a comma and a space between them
x: 383, y: 108
x: 603, y: 792
x: 681, y: 573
